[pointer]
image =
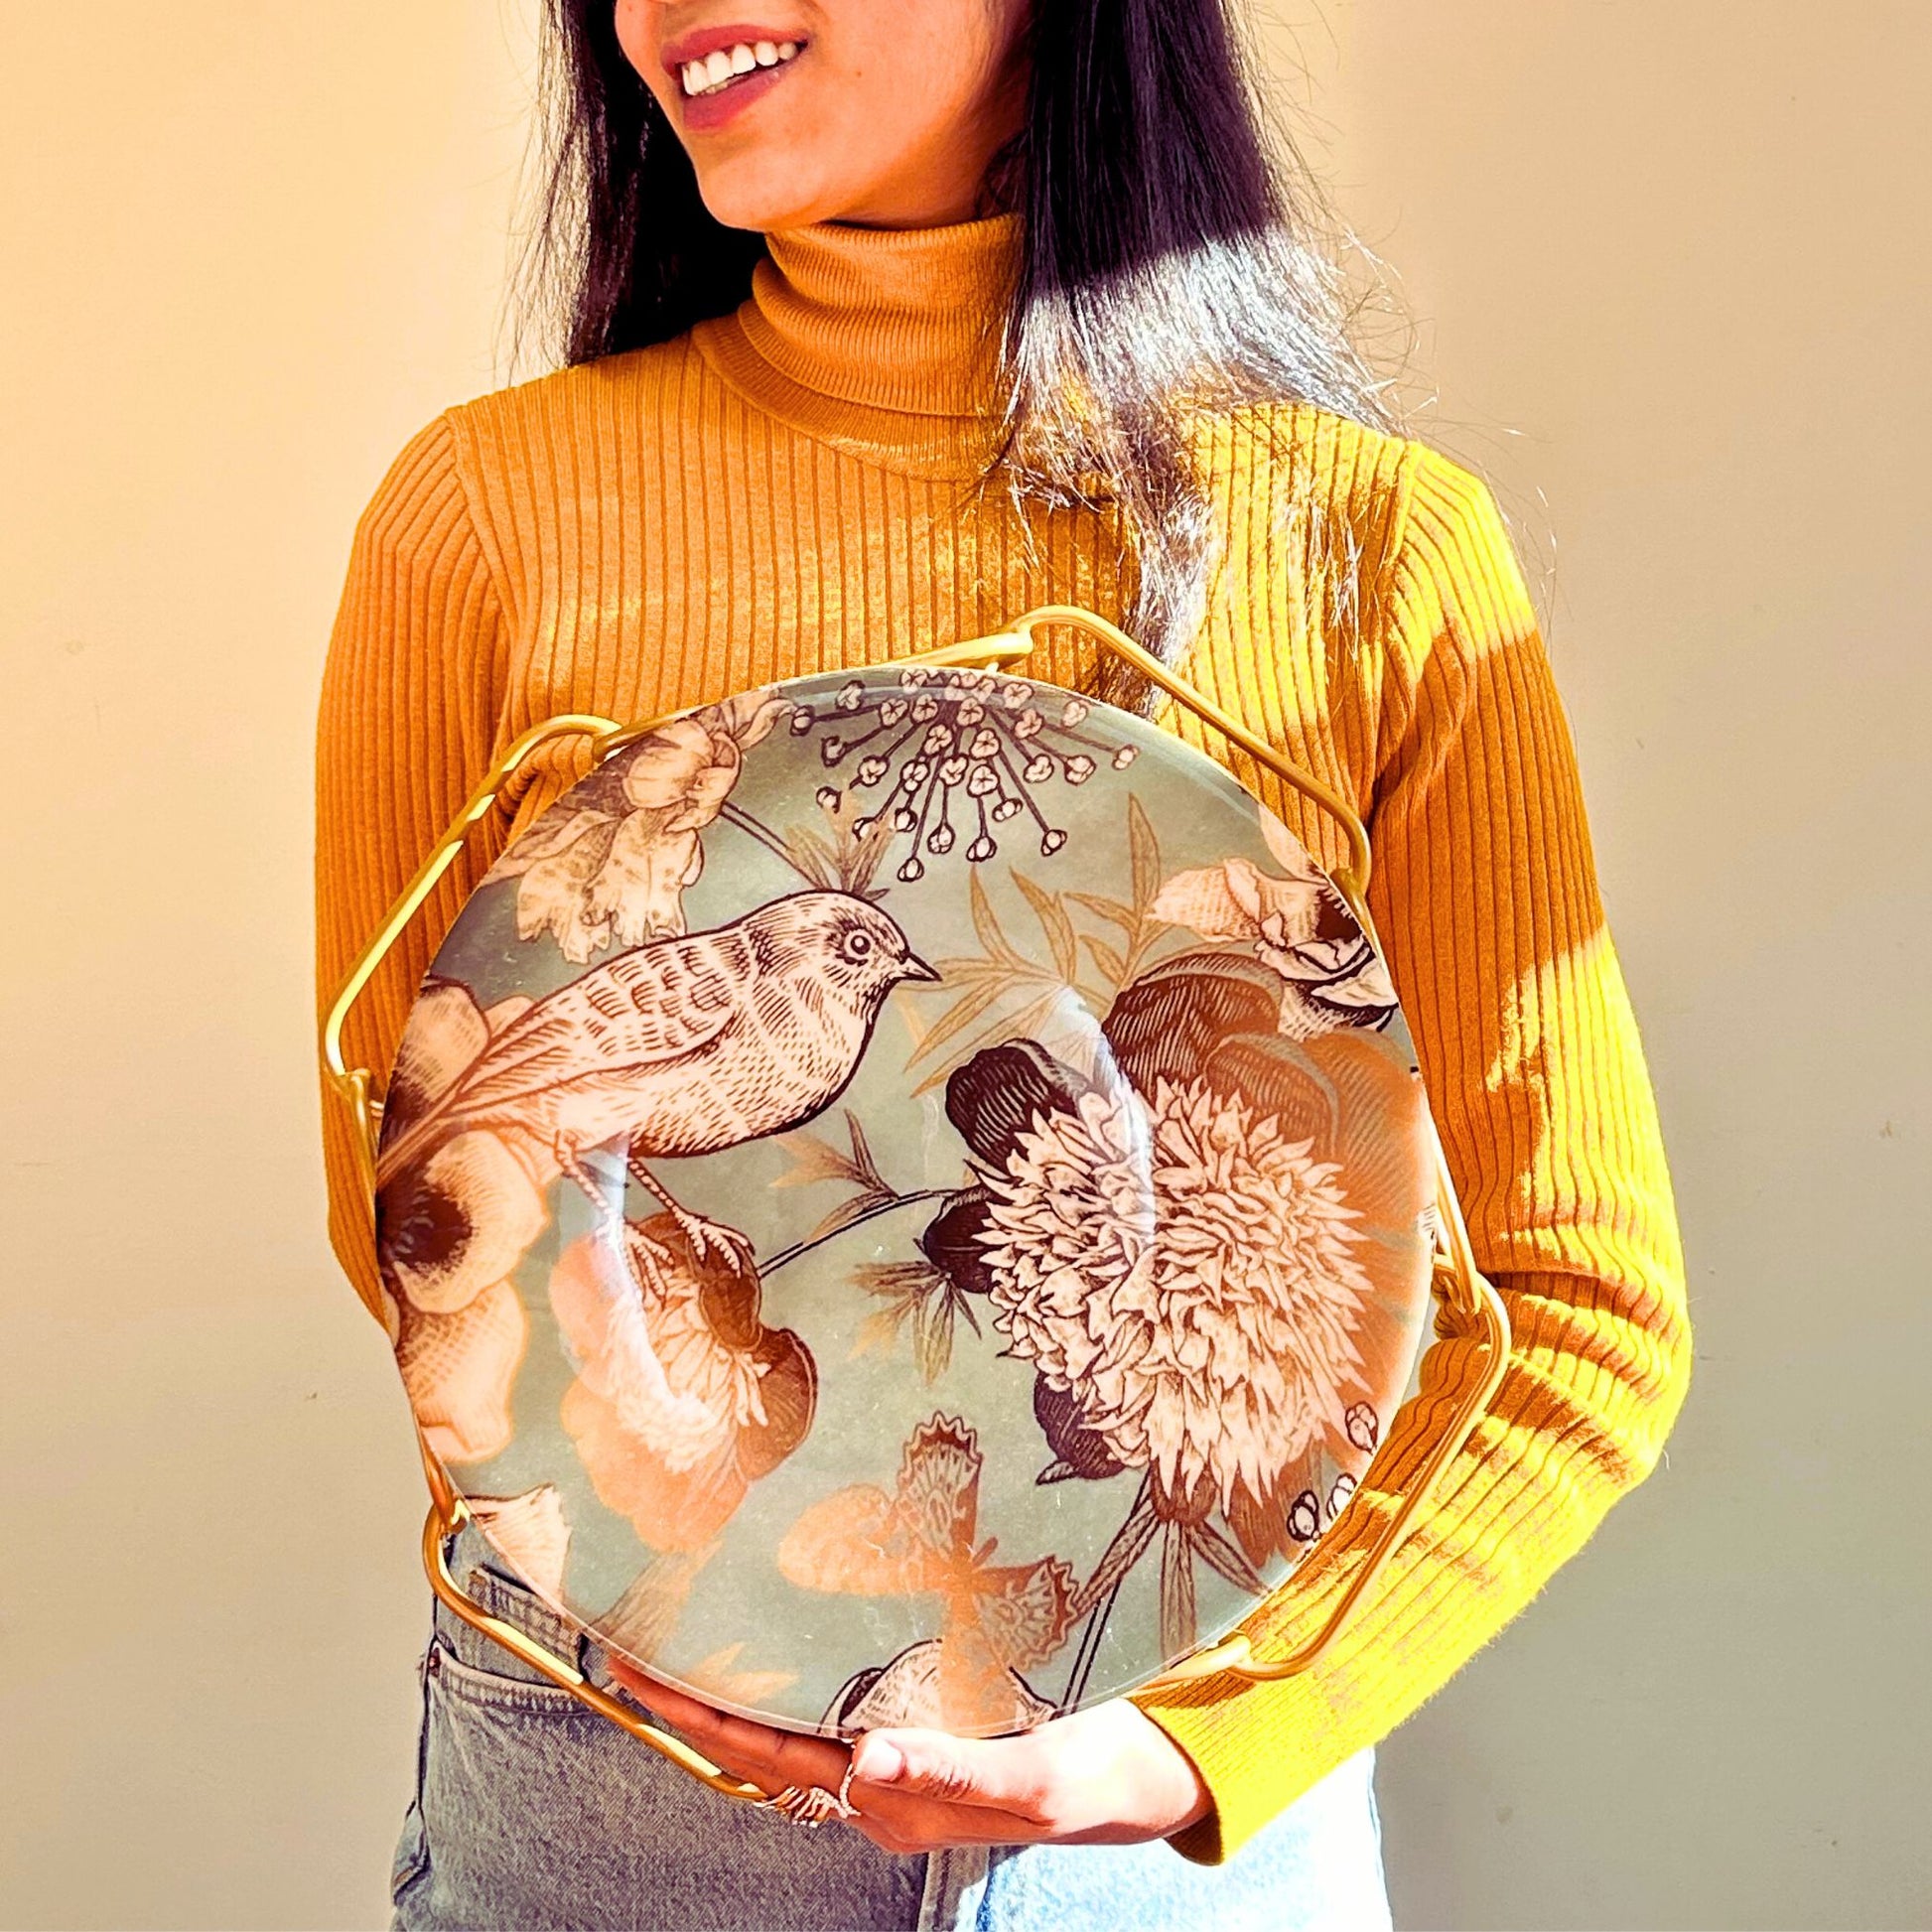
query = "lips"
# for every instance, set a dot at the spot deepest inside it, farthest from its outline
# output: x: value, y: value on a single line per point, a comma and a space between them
x: 718, y: 71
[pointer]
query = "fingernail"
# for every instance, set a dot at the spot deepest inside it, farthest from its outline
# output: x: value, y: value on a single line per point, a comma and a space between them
x: 882, y: 1763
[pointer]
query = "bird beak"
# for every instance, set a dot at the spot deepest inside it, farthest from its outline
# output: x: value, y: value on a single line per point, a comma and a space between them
x: 912, y: 967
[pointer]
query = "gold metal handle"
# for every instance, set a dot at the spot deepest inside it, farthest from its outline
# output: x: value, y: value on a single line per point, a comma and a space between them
x: 442, y: 1523
x: 356, y: 1086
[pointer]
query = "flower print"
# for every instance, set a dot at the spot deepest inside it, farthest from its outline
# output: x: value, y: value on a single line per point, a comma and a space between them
x: 948, y: 757
x: 1191, y: 1274
x: 459, y: 1369
x: 918, y: 1687
x: 683, y: 1396
x: 532, y: 1531
x: 1079, y: 1450
x: 1210, y: 1251
x: 457, y: 1223
x: 451, y: 1231
x: 454, y: 1223
x: 1296, y: 923
x: 614, y: 870
x: 1236, y: 899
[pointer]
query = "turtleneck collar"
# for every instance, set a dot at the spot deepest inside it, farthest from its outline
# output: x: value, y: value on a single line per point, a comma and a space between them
x: 886, y: 341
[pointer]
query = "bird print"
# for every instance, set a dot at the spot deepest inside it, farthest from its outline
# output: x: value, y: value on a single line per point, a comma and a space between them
x: 683, y: 1046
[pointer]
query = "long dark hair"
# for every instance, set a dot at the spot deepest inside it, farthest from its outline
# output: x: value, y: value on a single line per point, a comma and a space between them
x: 1172, y: 262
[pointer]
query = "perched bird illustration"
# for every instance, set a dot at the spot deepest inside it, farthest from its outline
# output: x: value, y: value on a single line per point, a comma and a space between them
x: 687, y: 1046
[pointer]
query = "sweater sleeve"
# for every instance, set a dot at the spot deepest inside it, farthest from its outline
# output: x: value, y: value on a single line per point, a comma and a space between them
x: 405, y: 728
x: 1485, y: 895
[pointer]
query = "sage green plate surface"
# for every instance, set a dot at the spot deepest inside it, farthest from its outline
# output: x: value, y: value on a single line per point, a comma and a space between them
x: 905, y: 1199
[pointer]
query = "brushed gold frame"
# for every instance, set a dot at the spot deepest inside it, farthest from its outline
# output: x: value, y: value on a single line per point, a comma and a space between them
x: 1469, y: 1308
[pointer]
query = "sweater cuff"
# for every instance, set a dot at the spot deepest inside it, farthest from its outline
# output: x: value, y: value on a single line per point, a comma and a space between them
x: 1252, y: 1772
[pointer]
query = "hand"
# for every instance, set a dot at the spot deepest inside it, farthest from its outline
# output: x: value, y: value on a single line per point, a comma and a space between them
x: 1103, y: 1776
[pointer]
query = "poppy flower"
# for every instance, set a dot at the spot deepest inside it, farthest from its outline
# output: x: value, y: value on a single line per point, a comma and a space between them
x: 1297, y: 924
x: 450, y: 1233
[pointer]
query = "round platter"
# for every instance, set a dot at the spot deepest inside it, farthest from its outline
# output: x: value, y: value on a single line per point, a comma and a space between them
x: 904, y: 1198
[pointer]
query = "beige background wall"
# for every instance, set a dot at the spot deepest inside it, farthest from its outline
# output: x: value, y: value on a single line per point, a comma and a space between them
x: 1670, y: 266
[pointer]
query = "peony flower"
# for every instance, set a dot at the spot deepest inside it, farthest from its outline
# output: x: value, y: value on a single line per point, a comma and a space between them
x: 1191, y: 1274
x: 613, y: 868
x: 683, y: 1397
x: 1213, y: 1252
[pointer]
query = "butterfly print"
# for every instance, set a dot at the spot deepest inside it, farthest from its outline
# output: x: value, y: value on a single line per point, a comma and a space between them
x: 995, y: 1620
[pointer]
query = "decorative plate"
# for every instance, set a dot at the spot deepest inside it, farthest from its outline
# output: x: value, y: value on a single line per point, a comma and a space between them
x: 905, y: 1198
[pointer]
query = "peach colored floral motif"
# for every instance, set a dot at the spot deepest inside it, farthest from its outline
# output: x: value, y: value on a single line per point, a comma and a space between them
x: 923, y: 1540
x: 683, y: 1397
x: 1209, y: 1268
x: 613, y: 871
x: 529, y: 1529
x: 1193, y: 1272
x: 1297, y: 924
x: 452, y: 1233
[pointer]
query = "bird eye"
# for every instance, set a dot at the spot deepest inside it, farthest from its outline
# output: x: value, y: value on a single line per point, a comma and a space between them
x: 858, y: 944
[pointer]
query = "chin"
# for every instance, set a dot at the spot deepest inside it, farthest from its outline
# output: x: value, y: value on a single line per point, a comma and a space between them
x: 762, y: 196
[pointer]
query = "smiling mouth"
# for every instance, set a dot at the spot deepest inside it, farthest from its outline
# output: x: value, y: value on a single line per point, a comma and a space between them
x: 726, y: 66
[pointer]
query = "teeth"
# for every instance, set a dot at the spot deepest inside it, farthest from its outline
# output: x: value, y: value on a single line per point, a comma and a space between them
x: 725, y: 64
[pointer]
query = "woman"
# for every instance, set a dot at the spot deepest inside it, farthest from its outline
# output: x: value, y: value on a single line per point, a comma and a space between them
x: 889, y: 319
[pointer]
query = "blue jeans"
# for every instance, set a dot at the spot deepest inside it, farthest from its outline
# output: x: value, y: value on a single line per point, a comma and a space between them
x: 531, y: 1811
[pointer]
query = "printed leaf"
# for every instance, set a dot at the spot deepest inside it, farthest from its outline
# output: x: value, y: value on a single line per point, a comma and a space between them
x: 1114, y: 912
x: 1122, y: 1554
x: 986, y: 923
x: 1017, y: 1026
x: 1049, y: 908
x: 816, y: 1159
x: 719, y: 1674
x: 1179, y: 1622
x: 1145, y: 847
x: 971, y: 1005
x: 1221, y: 1554
x: 1106, y: 958
x: 924, y: 1295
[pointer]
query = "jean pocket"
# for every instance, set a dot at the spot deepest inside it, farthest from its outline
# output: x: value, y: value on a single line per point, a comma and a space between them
x: 469, y: 1664
x: 412, y: 1853
x: 411, y: 1857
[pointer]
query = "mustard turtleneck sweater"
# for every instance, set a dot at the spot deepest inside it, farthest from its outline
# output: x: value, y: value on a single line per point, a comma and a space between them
x: 792, y: 489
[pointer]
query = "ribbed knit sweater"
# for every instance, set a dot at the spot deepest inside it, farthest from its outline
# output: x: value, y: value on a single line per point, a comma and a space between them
x: 795, y: 487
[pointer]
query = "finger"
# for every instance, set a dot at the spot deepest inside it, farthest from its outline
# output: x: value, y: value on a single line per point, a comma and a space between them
x: 1010, y: 1776
x: 888, y: 1840
x: 912, y: 1824
x: 754, y: 1752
